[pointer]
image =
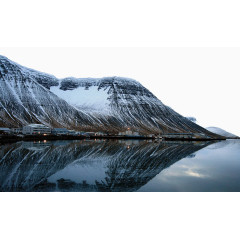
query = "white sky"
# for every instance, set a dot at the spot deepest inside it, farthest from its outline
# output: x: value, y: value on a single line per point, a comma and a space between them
x: 198, y: 82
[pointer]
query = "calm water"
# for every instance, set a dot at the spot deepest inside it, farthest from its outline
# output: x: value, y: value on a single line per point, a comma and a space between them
x: 120, y: 166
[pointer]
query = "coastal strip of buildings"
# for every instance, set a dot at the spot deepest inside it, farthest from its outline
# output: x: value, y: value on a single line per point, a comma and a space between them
x: 43, y: 130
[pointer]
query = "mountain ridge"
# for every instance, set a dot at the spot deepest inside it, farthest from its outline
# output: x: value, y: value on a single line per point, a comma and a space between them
x: 109, y: 104
x: 221, y: 132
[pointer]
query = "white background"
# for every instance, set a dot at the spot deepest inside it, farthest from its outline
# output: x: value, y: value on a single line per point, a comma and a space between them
x: 129, y: 24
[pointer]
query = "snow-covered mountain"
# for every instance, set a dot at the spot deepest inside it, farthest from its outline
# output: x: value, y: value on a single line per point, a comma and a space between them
x: 221, y: 132
x: 102, y: 104
x: 120, y: 103
x: 25, y: 98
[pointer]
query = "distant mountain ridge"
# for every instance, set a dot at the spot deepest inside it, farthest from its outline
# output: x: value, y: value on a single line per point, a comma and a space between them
x: 221, y: 132
x: 109, y: 104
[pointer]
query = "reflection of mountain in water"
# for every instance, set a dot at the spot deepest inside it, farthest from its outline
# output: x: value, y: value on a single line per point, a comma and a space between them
x: 221, y: 144
x: 86, y: 166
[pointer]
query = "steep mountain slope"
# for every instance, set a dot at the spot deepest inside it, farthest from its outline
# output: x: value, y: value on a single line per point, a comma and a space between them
x: 120, y: 103
x: 24, y: 100
x: 221, y: 132
x: 110, y: 104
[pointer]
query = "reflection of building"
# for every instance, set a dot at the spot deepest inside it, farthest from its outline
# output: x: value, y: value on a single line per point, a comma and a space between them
x: 34, y: 129
x: 38, y: 145
x: 59, y: 131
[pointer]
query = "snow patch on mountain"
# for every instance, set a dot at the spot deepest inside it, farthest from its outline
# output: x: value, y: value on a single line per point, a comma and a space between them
x: 93, y: 99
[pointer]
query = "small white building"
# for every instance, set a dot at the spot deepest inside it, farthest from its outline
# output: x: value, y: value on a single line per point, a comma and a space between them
x: 72, y: 132
x: 36, y: 129
x: 99, y: 134
x: 129, y: 133
x: 5, y: 130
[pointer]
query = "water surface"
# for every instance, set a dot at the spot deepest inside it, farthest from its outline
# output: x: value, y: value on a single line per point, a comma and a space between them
x: 120, y: 165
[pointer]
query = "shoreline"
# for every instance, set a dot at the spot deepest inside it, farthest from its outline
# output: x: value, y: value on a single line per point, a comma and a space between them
x: 29, y: 138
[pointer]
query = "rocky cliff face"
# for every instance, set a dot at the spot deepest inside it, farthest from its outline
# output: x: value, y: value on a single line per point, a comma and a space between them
x: 109, y: 104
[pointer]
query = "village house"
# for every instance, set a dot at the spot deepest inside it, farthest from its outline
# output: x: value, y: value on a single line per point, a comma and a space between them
x: 129, y: 133
x: 36, y: 129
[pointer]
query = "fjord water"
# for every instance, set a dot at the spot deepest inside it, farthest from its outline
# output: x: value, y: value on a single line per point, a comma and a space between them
x: 120, y: 165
